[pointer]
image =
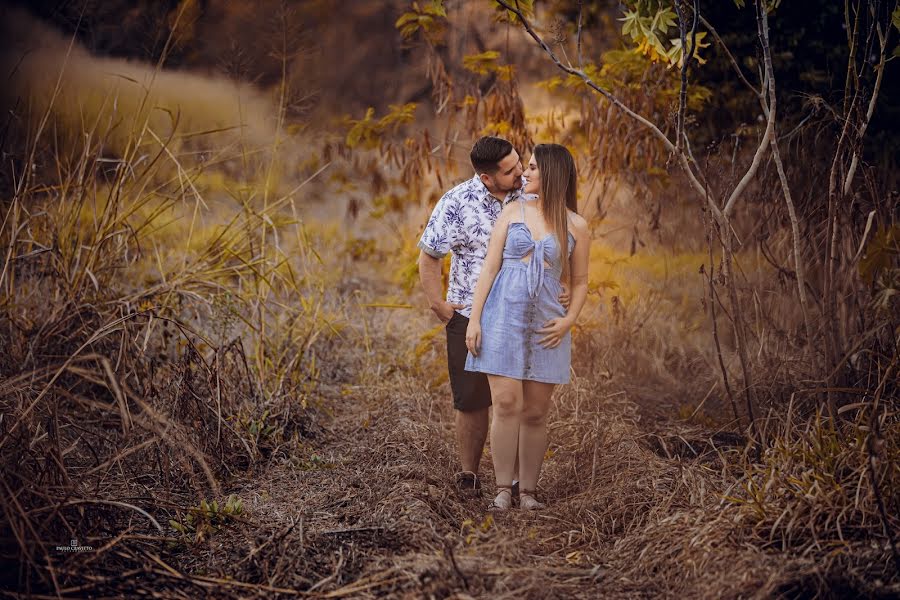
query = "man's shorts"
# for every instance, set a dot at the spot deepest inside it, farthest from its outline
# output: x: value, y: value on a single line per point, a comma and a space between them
x: 470, y: 390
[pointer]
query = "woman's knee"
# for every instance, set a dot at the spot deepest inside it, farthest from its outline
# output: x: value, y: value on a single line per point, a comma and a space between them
x: 535, y: 411
x: 535, y: 416
x: 506, y: 404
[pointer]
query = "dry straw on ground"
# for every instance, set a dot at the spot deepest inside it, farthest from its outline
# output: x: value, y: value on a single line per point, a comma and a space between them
x: 153, y: 372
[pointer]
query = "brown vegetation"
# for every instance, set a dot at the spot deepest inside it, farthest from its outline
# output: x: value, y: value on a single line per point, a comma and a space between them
x: 214, y: 370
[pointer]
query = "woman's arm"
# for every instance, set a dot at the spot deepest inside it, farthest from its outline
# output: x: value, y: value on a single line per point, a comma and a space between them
x: 578, y: 267
x: 555, y: 329
x: 492, y: 261
x: 489, y: 269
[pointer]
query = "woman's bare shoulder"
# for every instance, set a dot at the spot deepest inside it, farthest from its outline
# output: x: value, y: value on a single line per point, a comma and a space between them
x: 508, y: 211
x: 578, y: 223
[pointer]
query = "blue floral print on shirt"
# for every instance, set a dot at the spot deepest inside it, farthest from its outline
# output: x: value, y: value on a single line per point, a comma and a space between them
x: 461, y: 223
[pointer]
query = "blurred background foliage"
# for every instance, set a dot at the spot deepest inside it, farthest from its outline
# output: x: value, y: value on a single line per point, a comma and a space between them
x: 809, y: 41
x: 210, y: 215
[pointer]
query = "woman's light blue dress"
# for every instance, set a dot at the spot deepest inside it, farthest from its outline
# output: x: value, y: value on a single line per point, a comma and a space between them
x: 525, y: 295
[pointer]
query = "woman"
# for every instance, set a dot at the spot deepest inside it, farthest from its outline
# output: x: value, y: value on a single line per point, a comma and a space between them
x: 518, y: 333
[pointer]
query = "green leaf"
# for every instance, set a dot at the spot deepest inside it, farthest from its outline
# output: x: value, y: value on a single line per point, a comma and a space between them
x: 630, y: 25
x: 435, y: 8
x: 665, y: 18
x: 895, y: 19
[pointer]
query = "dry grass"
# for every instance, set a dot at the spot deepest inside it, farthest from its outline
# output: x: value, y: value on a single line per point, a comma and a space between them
x: 122, y: 99
x: 179, y: 333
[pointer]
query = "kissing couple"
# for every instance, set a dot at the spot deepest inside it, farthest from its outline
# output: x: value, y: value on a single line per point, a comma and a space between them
x: 518, y: 280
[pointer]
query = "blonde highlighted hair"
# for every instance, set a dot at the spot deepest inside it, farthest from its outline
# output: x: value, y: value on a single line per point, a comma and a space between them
x: 559, y: 192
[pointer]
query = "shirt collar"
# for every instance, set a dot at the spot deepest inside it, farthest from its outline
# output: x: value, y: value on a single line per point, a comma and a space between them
x: 487, y: 197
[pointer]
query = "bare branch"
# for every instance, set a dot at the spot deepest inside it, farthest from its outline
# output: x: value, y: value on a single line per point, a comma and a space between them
x: 883, y: 39
x: 768, y: 106
x: 686, y: 56
x: 762, y: 23
x: 734, y: 63
x: 682, y: 92
x: 682, y: 157
x: 578, y: 34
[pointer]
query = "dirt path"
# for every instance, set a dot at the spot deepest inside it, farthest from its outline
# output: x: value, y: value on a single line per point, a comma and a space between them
x: 366, y: 509
x: 370, y: 512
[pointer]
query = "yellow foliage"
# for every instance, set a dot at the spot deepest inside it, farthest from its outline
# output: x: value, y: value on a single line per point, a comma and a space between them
x: 430, y: 18
x: 483, y: 63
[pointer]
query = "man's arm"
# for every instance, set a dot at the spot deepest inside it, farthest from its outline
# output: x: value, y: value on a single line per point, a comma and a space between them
x: 430, y: 278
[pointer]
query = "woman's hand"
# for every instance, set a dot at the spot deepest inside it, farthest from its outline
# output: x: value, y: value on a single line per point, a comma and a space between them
x: 564, y: 296
x: 473, y: 337
x: 554, y: 330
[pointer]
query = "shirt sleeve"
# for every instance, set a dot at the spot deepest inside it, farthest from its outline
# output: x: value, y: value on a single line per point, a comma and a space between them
x: 439, y: 236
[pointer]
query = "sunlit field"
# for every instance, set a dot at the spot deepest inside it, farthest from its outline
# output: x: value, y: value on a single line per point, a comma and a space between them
x: 219, y: 376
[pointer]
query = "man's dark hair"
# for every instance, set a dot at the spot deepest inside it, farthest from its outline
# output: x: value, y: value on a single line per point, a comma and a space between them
x: 487, y: 152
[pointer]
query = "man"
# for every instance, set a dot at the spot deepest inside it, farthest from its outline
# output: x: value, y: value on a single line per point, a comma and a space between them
x: 461, y: 223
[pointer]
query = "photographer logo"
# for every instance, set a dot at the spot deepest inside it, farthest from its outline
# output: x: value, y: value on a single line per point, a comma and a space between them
x: 74, y: 547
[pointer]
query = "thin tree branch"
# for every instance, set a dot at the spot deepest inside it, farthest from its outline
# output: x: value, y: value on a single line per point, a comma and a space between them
x: 769, y: 106
x: 578, y: 34
x: 883, y: 39
x: 682, y: 91
x: 713, y: 297
x: 762, y: 21
x: 734, y: 63
x: 682, y: 157
x: 686, y: 57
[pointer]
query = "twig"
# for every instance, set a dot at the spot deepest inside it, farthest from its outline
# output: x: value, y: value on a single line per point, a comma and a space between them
x: 108, y: 502
x: 692, y: 177
x: 448, y: 550
x: 763, y: 26
x: 734, y: 63
x: 686, y: 56
x: 578, y: 33
x: 352, y: 530
x: 883, y: 39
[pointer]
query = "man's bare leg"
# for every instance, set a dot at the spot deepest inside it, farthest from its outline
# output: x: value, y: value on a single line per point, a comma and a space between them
x: 471, y: 433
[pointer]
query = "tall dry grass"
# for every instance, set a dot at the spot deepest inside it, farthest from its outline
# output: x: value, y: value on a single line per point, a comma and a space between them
x: 164, y: 313
x: 124, y: 104
x: 171, y: 324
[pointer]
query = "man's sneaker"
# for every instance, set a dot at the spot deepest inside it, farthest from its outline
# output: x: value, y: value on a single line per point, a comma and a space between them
x: 468, y: 483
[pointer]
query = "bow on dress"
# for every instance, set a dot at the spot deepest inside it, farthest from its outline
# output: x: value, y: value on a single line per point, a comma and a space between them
x: 535, y: 276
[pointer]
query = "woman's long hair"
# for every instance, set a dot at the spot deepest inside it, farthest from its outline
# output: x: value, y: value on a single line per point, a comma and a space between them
x: 559, y: 191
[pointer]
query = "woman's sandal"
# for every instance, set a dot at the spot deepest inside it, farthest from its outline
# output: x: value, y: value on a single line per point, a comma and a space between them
x: 527, y: 500
x: 503, y: 500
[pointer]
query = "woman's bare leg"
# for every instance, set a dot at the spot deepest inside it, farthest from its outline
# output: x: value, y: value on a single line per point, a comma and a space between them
x: 506, y: 398
x: 533, y: 431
